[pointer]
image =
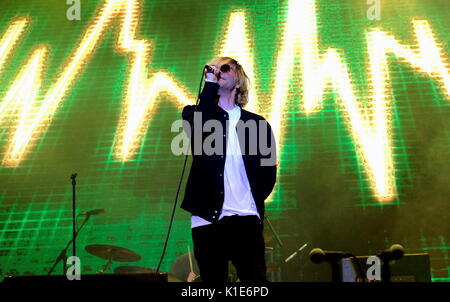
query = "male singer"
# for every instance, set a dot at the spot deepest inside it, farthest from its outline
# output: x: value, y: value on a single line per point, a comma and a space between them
x: 225, y: 191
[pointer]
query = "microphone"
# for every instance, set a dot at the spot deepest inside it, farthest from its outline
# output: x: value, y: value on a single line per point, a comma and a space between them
x: 209, y: 69
x: 395, y: 252
x: 318, y: 255
x: 93, y: 212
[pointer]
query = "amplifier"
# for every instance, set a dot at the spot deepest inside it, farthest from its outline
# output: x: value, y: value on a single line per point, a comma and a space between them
x: 410, y: 268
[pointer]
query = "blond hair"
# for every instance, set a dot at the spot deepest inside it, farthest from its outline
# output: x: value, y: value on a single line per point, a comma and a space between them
x: 242, y: 79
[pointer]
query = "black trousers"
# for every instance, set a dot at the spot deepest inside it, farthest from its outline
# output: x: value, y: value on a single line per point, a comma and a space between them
x: 238, y: 239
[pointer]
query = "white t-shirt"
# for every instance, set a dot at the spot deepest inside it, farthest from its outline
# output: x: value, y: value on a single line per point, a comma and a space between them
x: 238, y: 195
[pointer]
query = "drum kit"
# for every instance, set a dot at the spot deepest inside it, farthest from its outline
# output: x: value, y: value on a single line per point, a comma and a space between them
x: 185, y: 267
x: 113, y: 253
x: 181, y: 268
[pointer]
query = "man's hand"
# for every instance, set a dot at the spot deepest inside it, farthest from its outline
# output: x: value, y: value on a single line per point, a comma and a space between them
x: 212, y: 76
x: 191, y: 277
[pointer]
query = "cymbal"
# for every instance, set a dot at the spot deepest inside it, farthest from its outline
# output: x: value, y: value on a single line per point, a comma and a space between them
x: 114, y: 253
x: 128, y: 269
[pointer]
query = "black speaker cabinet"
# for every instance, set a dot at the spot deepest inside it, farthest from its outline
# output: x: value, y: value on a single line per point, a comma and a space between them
x: 410, y: 268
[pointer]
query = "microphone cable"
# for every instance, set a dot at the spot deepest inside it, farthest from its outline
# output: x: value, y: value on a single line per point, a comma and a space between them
x: 179, y: 184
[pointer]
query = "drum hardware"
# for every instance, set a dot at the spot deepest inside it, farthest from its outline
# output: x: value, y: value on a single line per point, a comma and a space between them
x: 63, y: 254
x: 128, y: 269
x: 112, y: 253
x: 273, y: 230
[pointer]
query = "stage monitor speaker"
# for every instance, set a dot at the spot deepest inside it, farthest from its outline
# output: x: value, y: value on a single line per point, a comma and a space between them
x: 103, y: 278
x: 410, y: 268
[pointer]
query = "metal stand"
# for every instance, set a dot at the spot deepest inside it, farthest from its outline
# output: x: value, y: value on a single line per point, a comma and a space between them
x: 62, y: 255
x: 273, y: 231
x: 105, y: 267
x: 74, y: 222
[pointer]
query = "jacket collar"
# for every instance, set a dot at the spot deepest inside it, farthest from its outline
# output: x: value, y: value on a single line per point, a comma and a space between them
x: 245, y: 115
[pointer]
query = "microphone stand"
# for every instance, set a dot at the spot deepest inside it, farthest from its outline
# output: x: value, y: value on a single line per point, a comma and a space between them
x: 74, y: 227
x: 295, y: 253
x: 335, y: 271
x: 62, y: 255
x: 299, y: 264
x: 273, y: 231
x: 385, y: 269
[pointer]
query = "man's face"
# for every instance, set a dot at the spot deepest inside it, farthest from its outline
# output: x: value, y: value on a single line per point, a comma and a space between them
x: 227, y: 78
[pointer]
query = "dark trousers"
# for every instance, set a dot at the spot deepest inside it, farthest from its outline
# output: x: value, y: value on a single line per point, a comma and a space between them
x: 238, y: 239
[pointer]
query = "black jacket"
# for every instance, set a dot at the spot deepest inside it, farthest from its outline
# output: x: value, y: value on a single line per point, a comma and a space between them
x: 204, y: 194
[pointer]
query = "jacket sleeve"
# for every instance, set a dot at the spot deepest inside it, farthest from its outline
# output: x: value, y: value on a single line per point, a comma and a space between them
x: 206, y: 104
x: 268, y: 164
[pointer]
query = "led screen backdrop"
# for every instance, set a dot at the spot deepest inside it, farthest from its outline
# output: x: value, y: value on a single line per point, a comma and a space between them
x: 358, y: 96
